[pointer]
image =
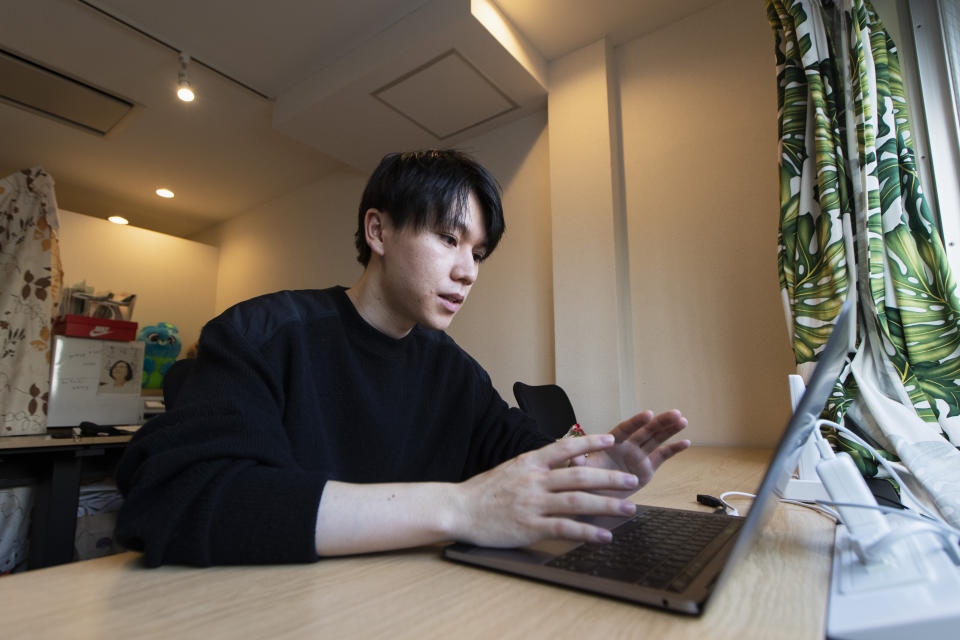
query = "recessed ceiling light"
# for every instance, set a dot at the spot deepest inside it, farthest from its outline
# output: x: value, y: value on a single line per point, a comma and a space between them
x: 118, y: 220
x: 163, y: 192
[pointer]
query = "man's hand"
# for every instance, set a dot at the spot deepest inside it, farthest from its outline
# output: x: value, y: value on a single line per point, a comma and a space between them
x: 527, y: 499
x: 639, y: 447
x: 532, y: 497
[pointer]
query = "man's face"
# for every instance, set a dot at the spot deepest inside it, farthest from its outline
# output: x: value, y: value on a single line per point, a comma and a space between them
x: 428, y: 274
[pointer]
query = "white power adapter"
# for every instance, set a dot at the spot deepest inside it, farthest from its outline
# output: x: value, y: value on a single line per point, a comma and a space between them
x: 887, y: 581
x: 845, y: 484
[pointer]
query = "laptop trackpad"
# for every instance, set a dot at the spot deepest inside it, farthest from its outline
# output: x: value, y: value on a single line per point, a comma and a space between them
x: 546, y: 550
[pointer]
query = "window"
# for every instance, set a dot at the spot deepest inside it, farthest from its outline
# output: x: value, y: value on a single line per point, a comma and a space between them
x: 934, y: 98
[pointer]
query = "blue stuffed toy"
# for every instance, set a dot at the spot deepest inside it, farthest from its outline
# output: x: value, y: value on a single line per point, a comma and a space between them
x: 161, y: 350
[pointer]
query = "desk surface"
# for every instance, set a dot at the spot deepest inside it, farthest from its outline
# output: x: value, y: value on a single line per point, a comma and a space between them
x: 12, y: 444
x: 780, y: 591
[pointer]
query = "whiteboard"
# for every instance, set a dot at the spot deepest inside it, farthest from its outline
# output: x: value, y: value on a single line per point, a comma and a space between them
x: 95, y: 380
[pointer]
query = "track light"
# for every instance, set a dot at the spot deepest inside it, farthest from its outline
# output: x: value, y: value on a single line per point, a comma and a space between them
x: 184, y: 91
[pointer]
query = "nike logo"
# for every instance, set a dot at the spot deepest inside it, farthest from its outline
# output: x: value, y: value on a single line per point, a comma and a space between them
x: 96, y: 332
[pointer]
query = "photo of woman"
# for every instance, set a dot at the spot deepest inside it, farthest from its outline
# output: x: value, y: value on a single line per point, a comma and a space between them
x: 120, y: 370
x: 121, y: 373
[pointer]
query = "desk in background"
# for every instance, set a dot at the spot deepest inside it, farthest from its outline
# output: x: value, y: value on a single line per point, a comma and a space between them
x: 55, y: 467
x: 779, y: 591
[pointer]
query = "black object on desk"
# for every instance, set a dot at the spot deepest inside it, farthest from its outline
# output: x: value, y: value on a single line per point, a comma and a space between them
x: 85, y: 429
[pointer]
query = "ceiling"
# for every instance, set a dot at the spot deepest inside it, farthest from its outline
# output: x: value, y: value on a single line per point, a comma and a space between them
x: 288, y: 91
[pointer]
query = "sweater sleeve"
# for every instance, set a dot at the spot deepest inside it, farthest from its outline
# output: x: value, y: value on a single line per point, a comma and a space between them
x: 501, y: 432
x: 214, y: 481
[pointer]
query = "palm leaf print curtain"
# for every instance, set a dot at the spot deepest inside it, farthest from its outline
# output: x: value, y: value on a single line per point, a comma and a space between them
x: 854, y: 223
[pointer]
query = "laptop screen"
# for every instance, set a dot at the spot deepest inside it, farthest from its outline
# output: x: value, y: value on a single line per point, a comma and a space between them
x: 799, y: 428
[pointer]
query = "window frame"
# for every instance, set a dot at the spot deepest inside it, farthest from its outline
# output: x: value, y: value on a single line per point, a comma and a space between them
x: 932, y: 91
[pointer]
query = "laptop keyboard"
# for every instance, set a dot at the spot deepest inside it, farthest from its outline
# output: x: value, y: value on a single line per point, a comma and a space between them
x: 657, y: 548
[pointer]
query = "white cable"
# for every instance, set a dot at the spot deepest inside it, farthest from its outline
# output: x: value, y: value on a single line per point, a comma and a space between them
x: 889, y: 469
x: 887, y: 541
x: 733, y: 510
x: 903, y: 513
x: 823, y: 506
x: 825, y: 510
x: 931, y: 523
x: 947, y: 536
x: 947, y: 533
x: 926, y: 517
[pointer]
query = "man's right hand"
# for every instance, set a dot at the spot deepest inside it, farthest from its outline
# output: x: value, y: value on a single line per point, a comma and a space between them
x: 529, y: 498
x: 532, y: 497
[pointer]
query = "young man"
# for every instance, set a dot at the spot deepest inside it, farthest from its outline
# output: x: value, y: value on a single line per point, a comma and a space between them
x: 346, y: 421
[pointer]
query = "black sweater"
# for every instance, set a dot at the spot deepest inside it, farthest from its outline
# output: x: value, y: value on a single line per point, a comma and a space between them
x: 290, y: 390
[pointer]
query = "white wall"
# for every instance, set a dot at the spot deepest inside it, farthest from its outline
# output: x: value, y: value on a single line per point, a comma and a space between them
x: 302, y: 240
x: 700, y: 155
x: 305, y: 240
x: 589, y: 268
x: 175, y: 279
x: 507, y: 322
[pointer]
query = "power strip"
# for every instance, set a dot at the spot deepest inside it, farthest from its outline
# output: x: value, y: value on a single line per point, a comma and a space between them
x: 912, y: 591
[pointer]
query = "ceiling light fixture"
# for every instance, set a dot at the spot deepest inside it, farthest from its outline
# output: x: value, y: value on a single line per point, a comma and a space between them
x: 93, y: 7
x: 118, y: 220
x: 163, y: 192
x: 184, y: 91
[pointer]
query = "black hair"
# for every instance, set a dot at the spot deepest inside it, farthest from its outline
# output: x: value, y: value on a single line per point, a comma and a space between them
x: 123, y: 362
x: 430, y: 189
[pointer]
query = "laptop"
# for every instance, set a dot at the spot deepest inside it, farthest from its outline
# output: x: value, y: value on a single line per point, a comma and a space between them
x: 633, y: 566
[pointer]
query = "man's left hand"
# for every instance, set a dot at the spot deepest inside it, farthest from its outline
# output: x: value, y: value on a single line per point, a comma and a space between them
x: 639, y: 447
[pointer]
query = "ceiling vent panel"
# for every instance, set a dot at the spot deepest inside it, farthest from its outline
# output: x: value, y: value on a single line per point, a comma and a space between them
x: 56, y: 95
x: 445, y: 96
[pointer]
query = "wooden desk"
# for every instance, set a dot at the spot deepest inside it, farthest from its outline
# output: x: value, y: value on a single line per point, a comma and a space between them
x: 779, y: 592
x: 55, y: 466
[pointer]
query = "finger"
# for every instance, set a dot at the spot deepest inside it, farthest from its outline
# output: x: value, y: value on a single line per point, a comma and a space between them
x: 667, y: 451
x: 647, y: 421
x: 658, y: 431
x: 584, y: 478
x: 567, y: 448
x: 567, y: 529
x: 629, y: 426
x: 581, y: 503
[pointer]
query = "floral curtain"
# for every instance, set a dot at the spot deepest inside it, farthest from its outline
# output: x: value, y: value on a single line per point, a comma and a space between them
x: 854, y: 222
x: 30, y: 282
